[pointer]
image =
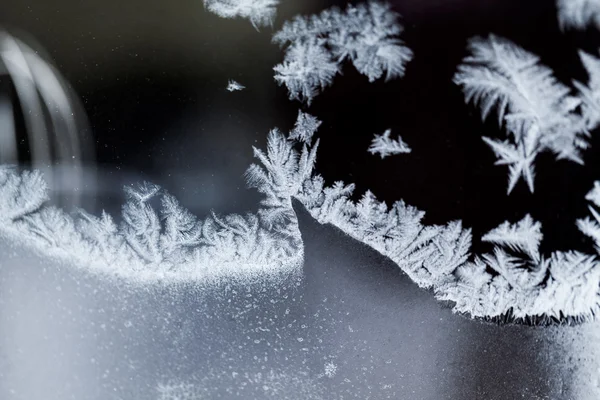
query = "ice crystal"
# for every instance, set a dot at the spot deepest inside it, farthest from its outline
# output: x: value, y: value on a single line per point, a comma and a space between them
x: 514, y: 280
x: 305, y: 127
x: 259, y: 12
x: 524, y: 284
x: 539, y: 112
x: 428, y: 254
x: 578, y: 14
x: 151, y: 243
x: 367, y: 34
x: 234, y: 86
x: 590, y: 92
x: 386, y: 146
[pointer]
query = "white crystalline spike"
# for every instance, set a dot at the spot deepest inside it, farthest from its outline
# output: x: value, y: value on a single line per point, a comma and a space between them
x: 538, y: 112
x: 152, y: 243
x: 305, y: 127
x: 367, y: 34
x: 519, y: 163
x: 259, y: 12
x: 590, y: 92
x: 578, y: 14
x: 385, y: 146
x: 429, y: 254
x: 234, y: 86
x: 523, y: 236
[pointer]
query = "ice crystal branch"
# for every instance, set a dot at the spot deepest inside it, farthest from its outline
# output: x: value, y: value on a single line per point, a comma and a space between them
x: 514, y: 280
x: 367, y: 34
x: 538, y: 112
x: 259, y: 12
x: 157, y: 237
x: 524, y: 284
x: 590, y: 92
x: 385, y: 146
x: 234, y: 86
x: 428, y: 254
x: 578, y: 14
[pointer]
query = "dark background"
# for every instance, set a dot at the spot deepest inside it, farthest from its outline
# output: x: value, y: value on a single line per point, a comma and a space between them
x: 152, y: 77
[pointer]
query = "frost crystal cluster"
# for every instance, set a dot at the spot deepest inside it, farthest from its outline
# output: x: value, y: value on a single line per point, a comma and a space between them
x: 259, y: 12
x: 385, y: 146
x: 428, y: 254
x: 157, y: 238
x: 538, y: 112
x: 367, y: 34
x: 579, y: 14
x: 590, y: 92
x: 513, y: 281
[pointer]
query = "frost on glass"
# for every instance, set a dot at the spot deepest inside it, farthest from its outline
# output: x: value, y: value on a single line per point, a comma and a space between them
x: 156, y: 238
x: 259, y: 12
x: 590, y: 92
x: 317, y: 45
x: 578, y: 14
x: 385, y: 146
x: 538, y: 112
x: 428, y: 254
x: 234, y: 86
x: 516, y: 280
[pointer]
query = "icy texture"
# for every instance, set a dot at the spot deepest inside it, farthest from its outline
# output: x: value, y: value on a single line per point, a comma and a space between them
x: 428, y: 254
x: 259, y: 12
x: 590, y: 93
x: 305, y: 127
x: 386, y: 146
x: 157, y: 237
x: 539, y: 112
x: 234, y: 86
x: 516, y: 280
x: 367, y: 34
x: 523, y: 285
x: 578, y: 14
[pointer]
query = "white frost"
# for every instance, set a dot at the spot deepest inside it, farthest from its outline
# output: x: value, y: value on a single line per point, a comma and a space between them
x: 539, y: 112
x: 386, y: 146
x: 578, y: 14
x: 234, y: 86
x: 259, y: 12
x: 590, y: 92
x: 367, y: 34
x: 151, y: 243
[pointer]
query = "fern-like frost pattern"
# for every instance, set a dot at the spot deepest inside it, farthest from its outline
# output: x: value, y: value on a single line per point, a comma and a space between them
x: 157, y: 237
x: 539, y: 113
x: 385, y: 146
x: 578, y: 14
x: 514, y: 280
x: 259, y: 12
x: 367, y: 34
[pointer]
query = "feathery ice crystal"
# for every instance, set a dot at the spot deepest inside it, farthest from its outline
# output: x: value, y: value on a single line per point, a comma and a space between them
x: 386, y: 146
x: 578, y: 14
x: 539, y: 113
x: 259, y: 12
x: 367, y: 34
x: 515, y: 281
x: 234, y: 86
x: 157, y: 238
